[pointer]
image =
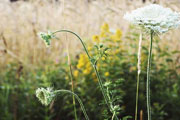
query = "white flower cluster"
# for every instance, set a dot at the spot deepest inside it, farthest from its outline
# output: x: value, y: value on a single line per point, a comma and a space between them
x: 154, y: 17
x: 45, y: 95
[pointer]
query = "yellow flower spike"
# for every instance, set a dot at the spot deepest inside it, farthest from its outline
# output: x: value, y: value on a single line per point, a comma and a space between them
x: 88, y: 65
x: 113, y: 38
x: 94, y: 77
x: 76, y: 73
x: 96, y: 38
x: 119, y: 33
x: 103, y: 58
x: 105, y: 27
x: 80, y: 65
x: 103, y: 34
x: 82, y: 56
x: 86, y: 72
x: 117, y: 36
x: 106, y: 74
x: 89, y: 48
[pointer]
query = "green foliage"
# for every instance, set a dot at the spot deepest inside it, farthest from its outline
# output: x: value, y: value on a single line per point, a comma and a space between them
x: 117, y: 68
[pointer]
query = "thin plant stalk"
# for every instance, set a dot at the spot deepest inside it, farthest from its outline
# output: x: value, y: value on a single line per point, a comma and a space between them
x: 113, y: 115
x: 94, y: 66
x: 71, y: 77
x: 148, y: 76
x: 76, y: 96
x: 138, y: 74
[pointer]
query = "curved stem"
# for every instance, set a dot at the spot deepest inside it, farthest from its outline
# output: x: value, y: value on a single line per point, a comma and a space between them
x: 76, y: 96
x: 78, y: 38
x: 94, y: 66
x: 148, y: 77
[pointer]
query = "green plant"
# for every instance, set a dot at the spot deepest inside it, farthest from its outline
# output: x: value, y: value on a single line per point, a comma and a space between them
x: 47, y: 39
x: 150, y: 19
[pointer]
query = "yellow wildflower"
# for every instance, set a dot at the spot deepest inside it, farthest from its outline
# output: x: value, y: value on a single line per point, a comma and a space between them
x: 95, y: 38
x: 86, y: 71
x: 94, y: 77
x: 104, y: 30
x: 103, y: 34
x: 82, y: 56
x: 103, y: 58
x: 119, y: 33
x: 117, y: 36
x: 80, y: 65
x: 76, y: 73
x: 88, y: 65
x: 106, y: 74
x: 105, y: 27
x: 89, y: 48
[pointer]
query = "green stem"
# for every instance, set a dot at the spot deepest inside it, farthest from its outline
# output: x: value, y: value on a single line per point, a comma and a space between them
x: 74, y: 102
x: 113, y: 116
x: 76, y: 96
x: 72, y: 82
x: 137, y: 95
x: 94, y: 66
x: 138, y: 74
x: 148, y: 78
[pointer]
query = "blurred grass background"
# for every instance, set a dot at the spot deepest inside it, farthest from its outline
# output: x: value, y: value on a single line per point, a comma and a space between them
x: 26, y: 64
x: 22, y: 20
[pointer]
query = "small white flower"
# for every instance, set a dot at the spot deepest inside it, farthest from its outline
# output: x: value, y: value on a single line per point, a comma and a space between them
x: 154, y: 17
x: 45, y: 95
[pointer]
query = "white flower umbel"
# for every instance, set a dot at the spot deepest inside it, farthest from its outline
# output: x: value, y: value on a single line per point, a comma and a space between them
x: 154, y: 17
x: 45, y: 95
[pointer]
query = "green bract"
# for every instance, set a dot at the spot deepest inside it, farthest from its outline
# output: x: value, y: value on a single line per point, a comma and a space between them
x: 45, y: 95
x: 46, y: 37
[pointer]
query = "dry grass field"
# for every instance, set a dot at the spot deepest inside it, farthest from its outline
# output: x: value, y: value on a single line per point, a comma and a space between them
x: 21, y: 21
x: 26, y: 64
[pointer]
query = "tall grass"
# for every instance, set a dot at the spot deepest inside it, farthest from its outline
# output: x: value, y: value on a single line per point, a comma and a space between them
x: 20, y: 22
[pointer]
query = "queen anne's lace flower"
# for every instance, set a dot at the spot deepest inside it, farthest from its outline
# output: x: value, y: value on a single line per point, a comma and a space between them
x: 45, y: 95
x: 154, y: 17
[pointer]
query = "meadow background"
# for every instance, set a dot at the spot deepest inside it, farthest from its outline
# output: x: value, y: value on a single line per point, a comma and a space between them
x: 26, y: 63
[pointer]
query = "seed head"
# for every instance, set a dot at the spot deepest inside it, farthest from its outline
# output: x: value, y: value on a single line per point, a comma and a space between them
x: 45, y: 95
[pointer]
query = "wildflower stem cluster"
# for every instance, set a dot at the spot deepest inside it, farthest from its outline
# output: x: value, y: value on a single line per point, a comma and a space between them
x: 92, y: 60
x: 47, y: 95
x: 156, y: 20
